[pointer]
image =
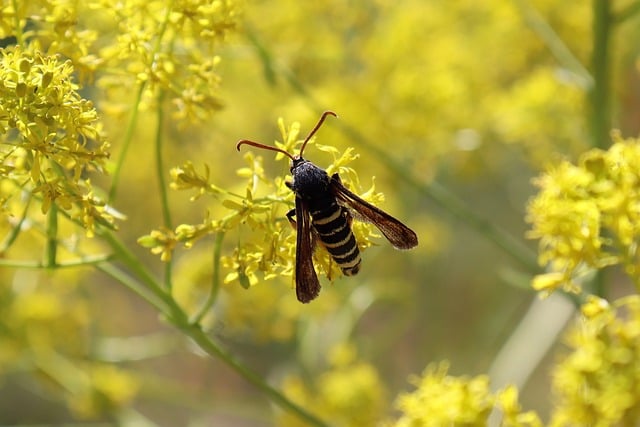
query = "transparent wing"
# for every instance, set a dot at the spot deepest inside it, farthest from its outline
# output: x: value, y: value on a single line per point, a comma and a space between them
x: 398, y: 234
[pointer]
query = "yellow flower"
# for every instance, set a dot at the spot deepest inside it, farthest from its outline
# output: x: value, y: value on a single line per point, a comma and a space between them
x: 107, y: 388
x: 444, y: 400
x: 349, y: 393
x: 597, y: 383
x: 55, y: 138
x: 586, y: 216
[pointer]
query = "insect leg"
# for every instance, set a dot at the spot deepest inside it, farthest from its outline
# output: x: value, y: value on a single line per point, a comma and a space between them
x: 290, y: 216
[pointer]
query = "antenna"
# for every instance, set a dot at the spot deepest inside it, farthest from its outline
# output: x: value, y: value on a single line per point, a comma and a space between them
x: 315, y: 129
x: 279, y: 150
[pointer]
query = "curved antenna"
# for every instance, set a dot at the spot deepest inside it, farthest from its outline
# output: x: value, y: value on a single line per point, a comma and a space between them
x: 315, y: 129
x: 266, y: 147
x: 279, y: 150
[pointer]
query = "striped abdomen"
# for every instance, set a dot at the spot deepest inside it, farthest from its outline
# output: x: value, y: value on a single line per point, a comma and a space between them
x: 332, y: 225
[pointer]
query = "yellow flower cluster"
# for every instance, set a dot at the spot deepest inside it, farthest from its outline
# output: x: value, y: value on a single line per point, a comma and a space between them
x: 443, y: 400
x: 598, y: 382
x: 587, y: 216
x: 51, y: 137
x: 166, y: 48
x: 349, y: 393
x: 101, y: 389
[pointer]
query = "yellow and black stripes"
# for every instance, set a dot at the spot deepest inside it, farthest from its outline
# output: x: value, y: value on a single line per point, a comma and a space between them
x: 332, y: 225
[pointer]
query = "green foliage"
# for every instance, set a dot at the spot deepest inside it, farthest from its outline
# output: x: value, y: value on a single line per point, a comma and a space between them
x: 117, y: 130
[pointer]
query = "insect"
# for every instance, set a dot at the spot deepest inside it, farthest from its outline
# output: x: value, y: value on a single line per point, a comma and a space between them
x: 324, y: 211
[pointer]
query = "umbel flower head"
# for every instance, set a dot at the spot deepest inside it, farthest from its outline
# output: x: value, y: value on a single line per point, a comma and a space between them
x: 50, y: 136
x: 444, y: 400
x: 587, y: 216
x: 598, y: 382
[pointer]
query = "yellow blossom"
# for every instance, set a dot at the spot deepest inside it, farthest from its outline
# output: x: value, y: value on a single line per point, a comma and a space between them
x: 350, y: 392
x: 586, y: 215
x: 442, y: 400
x: 597, y: 381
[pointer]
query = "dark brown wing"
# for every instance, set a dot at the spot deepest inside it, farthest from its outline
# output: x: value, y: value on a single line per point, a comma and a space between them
x: 307, y: 284
x: 398, y: 234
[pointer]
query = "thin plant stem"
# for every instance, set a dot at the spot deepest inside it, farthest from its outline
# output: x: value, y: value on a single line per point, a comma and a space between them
x: 160, y: 166
x: 556, y: 45
x: 600, y: 94
x: 123, y: 254
x: 133, y: 119
x: 15, y: 231
x: 18, y: 31
x: 132, y: 284
x: 164, y: 199
x: 128, y: 136
x: 215, y: 279
x: 52, y: 236
x: 206, y: 344
x: 627, y: 13
x: 83, y: 261
x: 600, y: 63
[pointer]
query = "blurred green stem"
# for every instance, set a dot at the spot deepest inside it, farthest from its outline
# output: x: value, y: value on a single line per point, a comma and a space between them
x: 15, y: 231
x: 128, y: 136
x: 133, y: 119
x: 556, y: 45
x: 18, y: 30
x: 215, y: 279
x: 160, y: 168
x: 600, y: 93
x: 627, y: 12
x: 52, y: 235
x: 600, y: 63
x: 206, y: 344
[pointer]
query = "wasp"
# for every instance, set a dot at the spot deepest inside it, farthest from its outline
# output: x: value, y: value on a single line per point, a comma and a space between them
x: 324, y: 210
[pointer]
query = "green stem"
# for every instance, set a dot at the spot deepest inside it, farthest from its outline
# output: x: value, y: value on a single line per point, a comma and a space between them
x: 160, y: 168
x: 83, y: 261
x: 16, y: 22
x: 128, y: 136
x: 627, y: 12
x: 52, y: 236
x: 133, y: 119
x: 215, y: 279
x: 134, y: 285
x: 556, y: 45
x: 15, y: 231
x: 123, y: 254
x: 600, y: 92
x: 206, y: 344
